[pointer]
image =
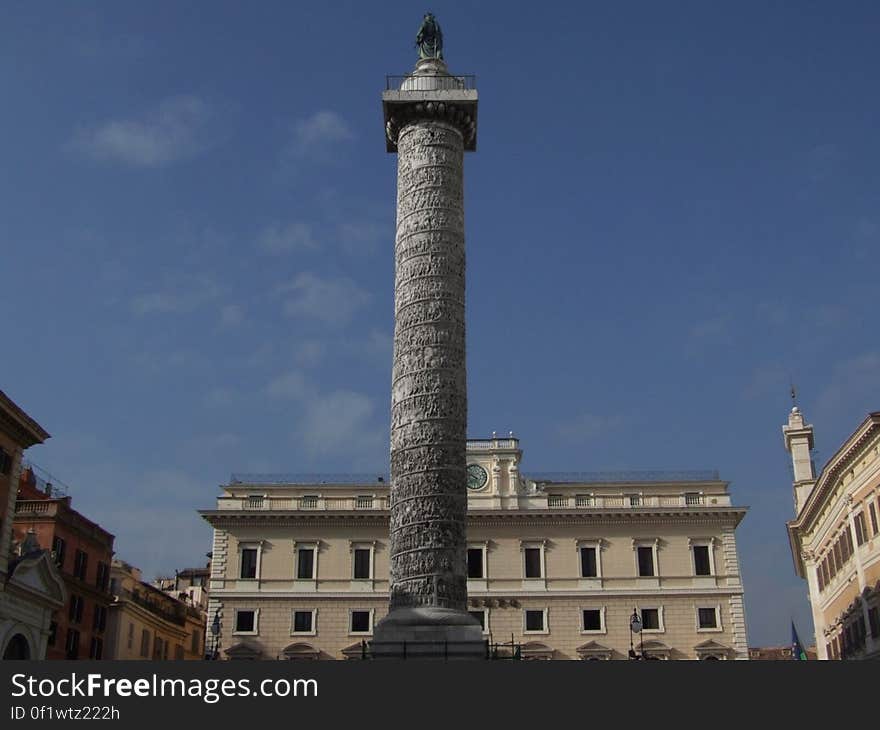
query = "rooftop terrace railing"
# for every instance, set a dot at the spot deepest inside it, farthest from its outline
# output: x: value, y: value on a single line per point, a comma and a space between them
x: 50, y: 485
x: 302, y: 478
x: 623, y: 477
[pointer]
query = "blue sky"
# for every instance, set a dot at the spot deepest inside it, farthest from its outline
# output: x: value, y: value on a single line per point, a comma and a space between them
x: 672, y: 212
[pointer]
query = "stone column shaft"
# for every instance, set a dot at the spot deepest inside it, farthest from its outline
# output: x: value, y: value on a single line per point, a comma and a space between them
x: 429, y: 388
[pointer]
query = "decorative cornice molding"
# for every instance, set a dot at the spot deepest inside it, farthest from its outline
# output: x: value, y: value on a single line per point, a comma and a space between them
x: 837, y: 464
x: 457, y: 116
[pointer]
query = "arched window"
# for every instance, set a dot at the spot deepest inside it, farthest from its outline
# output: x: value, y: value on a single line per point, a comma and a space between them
x: 17, y: 648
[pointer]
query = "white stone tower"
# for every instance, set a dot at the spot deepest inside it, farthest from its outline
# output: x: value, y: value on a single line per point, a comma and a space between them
x: 430, y: 120
x: 799, y: 443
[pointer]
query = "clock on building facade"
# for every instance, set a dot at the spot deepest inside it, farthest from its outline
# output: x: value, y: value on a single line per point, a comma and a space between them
x: 476, y: 477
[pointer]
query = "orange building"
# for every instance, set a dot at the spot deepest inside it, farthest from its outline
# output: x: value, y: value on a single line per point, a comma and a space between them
x: 31, y: 588
x: 83, y: 552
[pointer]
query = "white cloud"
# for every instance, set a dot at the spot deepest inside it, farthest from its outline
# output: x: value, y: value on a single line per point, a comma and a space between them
x: 309, y: 353
x: 177, y: 129
x: 588, y: 426
x: 766, y: 380
x: 220, y: 397
x: 339, y: 423
x: 278, y: 239
x: 709, y: 329
x: 180, y: 293
x: 362, y: 236
x: 231, y: 315
x: 318, y: 132
x: 291, y: 385
x: 333, y: 301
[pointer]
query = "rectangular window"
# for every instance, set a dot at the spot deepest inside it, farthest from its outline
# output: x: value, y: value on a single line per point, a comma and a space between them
x: 99, y: 618
x: 534, y: 620
x: 71, y: 646
x: 481, y: 617
x: 874, y: 621
x: 533, y: 562
x: 196, y: 642
x: 361, y: 563
x: 708, y: 618
x: 80, y: 564
x: 360, y: 622
x: 302, y: 622
x: 309, y: 501
x: 592, y: 619
x: 76, y: 609
x: 53, y: 633
x: 102, y: 578
x: 475, y: 562
x: 646, y: 561
x: 588, y: 562
x: 651, y: 619
x: 145, y: 643
x: 158, y: 645
x: 873, y: 518
x: 248, y: 563
x: 178, y: 652
x: 692, y: 498
x: 861, y: 529
x: 245, y: 621
x: 634, y: 500
x: 96, y: 650
x: 701, y: 560
x: 130, y: 642
x: 305, y: 564
x: 58, y: 546
x: 5, y: 461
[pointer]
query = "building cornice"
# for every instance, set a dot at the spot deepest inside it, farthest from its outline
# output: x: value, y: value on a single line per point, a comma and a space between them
x: 219, y: 593
x: 123, y: 604
x: 836, y: 465
x: 20, y: 426
x: 674, y: 515
x: 65, y: 515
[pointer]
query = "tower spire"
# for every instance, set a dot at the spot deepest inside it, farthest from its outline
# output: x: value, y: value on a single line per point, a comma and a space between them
x: 798, y: 437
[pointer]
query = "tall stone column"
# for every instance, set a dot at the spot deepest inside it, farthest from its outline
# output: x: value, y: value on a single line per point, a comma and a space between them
x: 430, y: 122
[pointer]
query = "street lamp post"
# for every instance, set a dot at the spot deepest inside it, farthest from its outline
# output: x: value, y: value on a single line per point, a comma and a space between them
x: 635, y: 627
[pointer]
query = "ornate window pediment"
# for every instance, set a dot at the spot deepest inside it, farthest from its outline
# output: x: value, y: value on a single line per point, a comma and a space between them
x: 594, y: 650
x: 712, y: 649
x: 301, y: 651
x: 536, y: 650
x: 243, y: 650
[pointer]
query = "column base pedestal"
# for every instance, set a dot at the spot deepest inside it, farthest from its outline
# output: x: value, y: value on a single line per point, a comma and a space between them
x: 428, y: 633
